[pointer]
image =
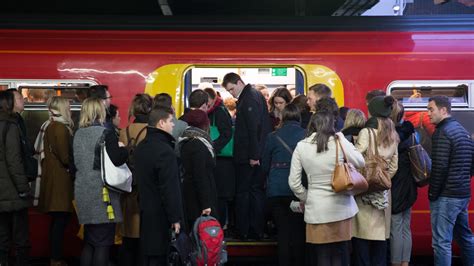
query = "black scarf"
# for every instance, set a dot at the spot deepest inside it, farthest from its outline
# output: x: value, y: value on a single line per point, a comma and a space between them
x: 372, y: 122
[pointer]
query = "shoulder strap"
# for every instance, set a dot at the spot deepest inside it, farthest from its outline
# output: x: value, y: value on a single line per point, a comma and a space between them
x: 284, y: 144
x: 5, y: 132
x: 139, y: 134
x: 338, y: 143
x: 127, y: 131
x: 373, y: 142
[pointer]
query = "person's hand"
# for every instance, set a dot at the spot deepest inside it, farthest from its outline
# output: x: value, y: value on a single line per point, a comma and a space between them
x: 302, y: 206
x: 254, y: 162
x: 206, y: 211
x: 176, y: 227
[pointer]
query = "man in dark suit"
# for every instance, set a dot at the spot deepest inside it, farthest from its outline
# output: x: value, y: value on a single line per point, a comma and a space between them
x: 156, y: 171
x: 252, y: 125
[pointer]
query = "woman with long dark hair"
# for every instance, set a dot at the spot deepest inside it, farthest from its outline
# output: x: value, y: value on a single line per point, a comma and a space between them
x: 276, y: 164
x: 327, y: 214
x: 280, y: 98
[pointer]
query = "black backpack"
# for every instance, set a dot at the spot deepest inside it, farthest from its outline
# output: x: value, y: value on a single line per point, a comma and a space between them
x: 131, y: 145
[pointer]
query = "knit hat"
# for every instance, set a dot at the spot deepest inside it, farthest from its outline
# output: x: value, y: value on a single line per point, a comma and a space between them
x: 196, y: 118
x: 381, y: 106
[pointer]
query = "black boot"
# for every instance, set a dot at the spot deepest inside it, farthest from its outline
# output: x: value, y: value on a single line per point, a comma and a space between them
x: 3, y: 258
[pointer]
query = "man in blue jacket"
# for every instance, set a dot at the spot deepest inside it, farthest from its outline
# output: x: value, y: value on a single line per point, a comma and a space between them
x: 450, y: 184
x: 252, y: 125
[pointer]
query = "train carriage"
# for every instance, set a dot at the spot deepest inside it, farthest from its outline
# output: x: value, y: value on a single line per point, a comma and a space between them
x: 434, y: 59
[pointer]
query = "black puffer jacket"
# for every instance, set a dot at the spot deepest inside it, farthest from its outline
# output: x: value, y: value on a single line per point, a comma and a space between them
x: 452, y: 158
x: 12, y: 174
x: 404, y: 189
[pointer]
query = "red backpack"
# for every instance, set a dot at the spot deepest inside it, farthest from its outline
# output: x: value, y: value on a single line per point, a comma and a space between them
x: 208, y: 238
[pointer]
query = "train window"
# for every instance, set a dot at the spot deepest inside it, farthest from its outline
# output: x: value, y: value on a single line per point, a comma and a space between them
x: 415, y: 94
x: 271, y: 77
x: 37, y: 92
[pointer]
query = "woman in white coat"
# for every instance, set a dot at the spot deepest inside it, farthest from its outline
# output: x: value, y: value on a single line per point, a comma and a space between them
x: 327, y: 214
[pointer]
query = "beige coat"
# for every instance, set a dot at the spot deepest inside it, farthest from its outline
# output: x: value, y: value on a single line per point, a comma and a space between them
x: 129, y: 201
x: 371, y: 223
x: 322, y: 204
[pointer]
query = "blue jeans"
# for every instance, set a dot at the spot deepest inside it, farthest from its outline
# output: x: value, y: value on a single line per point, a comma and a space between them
x: 448, y: 216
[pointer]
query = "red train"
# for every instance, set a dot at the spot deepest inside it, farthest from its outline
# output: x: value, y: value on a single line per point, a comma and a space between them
x: 433, y: 59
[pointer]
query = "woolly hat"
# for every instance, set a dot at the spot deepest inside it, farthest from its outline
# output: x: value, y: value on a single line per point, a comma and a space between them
x: 381, y: 106
x: 196, y: 118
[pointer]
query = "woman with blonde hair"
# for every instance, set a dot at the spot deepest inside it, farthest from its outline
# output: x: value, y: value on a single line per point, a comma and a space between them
x: 371, y: 226
x: 354, y: 123
x: 98, y: 208
x: 54, y: 148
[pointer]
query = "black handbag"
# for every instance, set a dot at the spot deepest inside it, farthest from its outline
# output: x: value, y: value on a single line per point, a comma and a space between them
x: 180, y: 250
x: 420, y: 163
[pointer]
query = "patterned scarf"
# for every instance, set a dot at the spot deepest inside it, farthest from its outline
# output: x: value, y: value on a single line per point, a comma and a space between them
x: 197, y: 133
x: 377, y: 199
x: 39, y: 149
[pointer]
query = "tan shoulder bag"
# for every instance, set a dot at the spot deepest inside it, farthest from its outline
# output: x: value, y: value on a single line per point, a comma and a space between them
x: 345, y: 177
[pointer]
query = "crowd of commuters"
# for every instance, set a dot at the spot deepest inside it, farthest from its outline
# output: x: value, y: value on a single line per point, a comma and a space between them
x: 232, y: 159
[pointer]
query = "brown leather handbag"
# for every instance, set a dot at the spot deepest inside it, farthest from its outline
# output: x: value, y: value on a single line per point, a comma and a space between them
x: 345, y: 177
x: 376, y: 168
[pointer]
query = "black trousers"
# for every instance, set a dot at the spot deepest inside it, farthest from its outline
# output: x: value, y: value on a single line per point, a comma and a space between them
x: 59, y: 221
x: 249, y: 200
x: 330, y: 254
x: 369, y: 252
x: 290, y: 232
x: 14, y: 228
x: 129, y: 252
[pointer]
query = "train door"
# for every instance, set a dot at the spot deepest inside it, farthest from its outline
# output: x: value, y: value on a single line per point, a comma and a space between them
x: 178, y: 80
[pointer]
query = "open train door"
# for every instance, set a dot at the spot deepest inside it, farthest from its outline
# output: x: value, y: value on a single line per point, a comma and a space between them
x: 178, y: 80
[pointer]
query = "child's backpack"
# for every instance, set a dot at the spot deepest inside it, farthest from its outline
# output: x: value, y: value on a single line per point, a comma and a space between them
x: 208, y: 238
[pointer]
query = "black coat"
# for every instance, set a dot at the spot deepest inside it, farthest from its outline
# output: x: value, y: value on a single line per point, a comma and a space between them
x: 252, y: 125
x: 224, y: 173
x: 12, y: 174
x: 305, y: 118
x: 199, y: 187
x: 404, y: 189
x: 452, y: 161
x: 220, y: 117
x: 156, y: 171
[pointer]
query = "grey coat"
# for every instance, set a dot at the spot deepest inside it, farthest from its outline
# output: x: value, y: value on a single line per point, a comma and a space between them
x: 91, y: 209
